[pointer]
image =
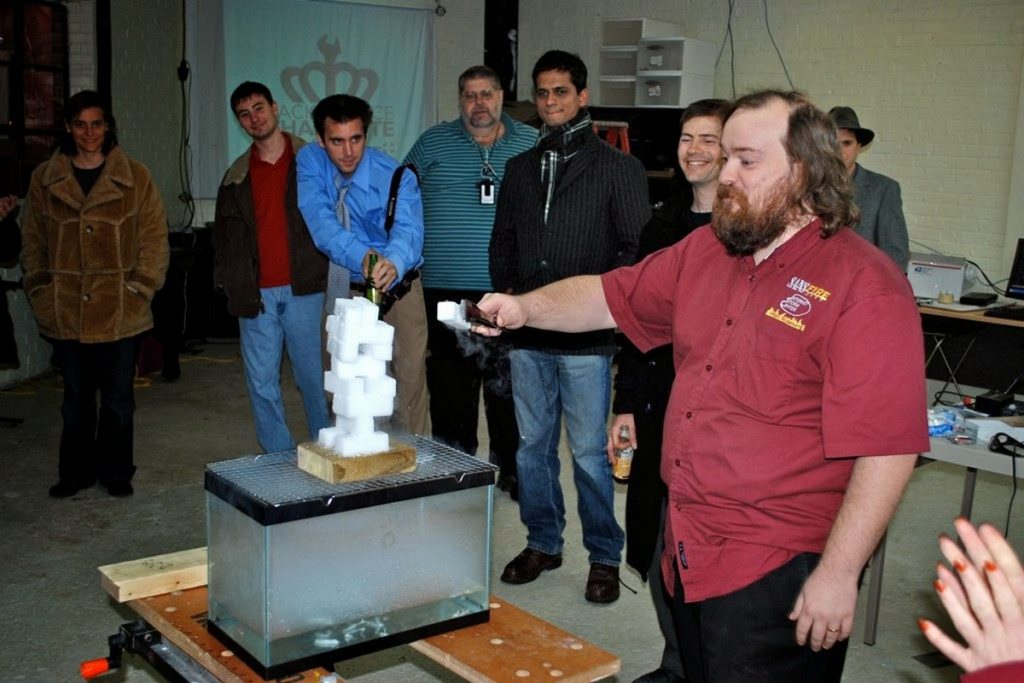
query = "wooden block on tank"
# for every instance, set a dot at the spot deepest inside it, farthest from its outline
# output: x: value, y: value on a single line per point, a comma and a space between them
x: 325, y: 463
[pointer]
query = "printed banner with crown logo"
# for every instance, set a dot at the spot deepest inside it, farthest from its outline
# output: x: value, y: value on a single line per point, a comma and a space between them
x: 305, y: 50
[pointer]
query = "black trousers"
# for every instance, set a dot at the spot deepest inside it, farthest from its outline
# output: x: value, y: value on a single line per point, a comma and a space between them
x: 97, y: 445
x: 747, y: 635
x: 457, y: 366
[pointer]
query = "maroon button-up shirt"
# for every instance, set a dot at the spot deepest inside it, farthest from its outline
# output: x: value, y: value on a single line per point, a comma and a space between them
x: 785, y: 372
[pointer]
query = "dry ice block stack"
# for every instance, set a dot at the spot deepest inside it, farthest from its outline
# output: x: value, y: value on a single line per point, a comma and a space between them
x: 303, y: 572
x: 360, y: 346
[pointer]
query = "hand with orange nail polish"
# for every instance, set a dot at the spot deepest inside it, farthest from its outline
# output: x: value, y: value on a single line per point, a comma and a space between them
x: 984, y: 598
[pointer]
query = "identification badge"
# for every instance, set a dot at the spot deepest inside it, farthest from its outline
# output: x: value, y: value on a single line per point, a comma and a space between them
x: 486, y: 191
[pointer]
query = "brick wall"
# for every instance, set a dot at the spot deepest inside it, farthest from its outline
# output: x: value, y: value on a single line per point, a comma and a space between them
x: 938, y: 80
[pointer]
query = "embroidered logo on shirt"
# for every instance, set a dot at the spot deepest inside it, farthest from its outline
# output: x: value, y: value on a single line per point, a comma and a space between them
x: 805, y: 287
x: 795, y: 305
x: 790, y: 310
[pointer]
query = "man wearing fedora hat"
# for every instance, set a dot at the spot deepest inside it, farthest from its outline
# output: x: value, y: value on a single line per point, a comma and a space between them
x: 877, y: 196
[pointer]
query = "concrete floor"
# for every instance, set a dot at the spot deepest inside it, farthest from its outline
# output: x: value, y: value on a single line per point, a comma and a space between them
x: 55, y: 614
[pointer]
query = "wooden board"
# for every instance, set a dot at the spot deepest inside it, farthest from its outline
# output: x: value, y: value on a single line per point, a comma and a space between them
x: 325, y: 463
x: 180, y: 616
x: 512, y: 647
x: 154, y: 575
x: 515, y: 646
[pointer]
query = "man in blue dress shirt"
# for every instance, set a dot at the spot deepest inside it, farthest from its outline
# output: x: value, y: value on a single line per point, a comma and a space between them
x: 343, y: 195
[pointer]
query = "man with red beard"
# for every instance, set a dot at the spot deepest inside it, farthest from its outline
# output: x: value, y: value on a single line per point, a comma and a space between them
x: 782, y: 471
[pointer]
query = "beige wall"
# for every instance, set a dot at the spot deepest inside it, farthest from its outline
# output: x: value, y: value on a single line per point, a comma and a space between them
x: 938, y: 80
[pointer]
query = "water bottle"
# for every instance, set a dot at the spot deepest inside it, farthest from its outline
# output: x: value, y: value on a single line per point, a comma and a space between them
x: 621, y: 470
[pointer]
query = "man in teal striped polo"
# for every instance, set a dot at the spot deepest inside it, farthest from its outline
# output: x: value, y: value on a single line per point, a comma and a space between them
x: 461, y: 164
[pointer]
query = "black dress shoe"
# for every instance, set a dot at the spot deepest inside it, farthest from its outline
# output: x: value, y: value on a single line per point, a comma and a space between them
x: 660, y: 675
x: 66, y: 489
x: 528, y: 565
x: 120, y: 489
x: 603, y: 583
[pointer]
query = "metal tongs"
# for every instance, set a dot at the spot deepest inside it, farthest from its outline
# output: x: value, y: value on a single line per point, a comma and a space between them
x: 474, y: 316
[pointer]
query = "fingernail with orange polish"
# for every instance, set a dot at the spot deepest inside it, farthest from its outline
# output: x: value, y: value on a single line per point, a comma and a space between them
x: 960, y: 566
x: 939, y: 585
x: 990, y: 566
x: 922, y: 624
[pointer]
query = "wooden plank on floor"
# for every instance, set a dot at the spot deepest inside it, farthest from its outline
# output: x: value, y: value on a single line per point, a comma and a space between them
x: 180, y: 617
x: 515, y: 646
x: 154, y: 575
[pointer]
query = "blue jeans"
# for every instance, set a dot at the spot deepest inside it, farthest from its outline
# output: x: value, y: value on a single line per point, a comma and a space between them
x: 293, y: 323
x: 544, y: 386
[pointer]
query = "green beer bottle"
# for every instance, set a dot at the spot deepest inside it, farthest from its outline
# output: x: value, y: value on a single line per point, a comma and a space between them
x: 372, y: 293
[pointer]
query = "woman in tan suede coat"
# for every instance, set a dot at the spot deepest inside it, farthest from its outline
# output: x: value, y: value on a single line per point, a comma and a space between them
x: 94, y: 253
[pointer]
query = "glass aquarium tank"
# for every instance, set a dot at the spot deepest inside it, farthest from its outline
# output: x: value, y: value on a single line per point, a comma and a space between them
x: 304, y: 573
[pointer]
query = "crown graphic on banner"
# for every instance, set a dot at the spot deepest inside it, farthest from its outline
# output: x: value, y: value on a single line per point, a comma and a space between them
x: 338, y: 77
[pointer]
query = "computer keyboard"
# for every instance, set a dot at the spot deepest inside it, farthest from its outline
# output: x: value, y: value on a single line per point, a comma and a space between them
x: 1008, y: 312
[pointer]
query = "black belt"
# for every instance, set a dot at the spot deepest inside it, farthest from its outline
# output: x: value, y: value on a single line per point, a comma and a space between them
x: 405, y: 283
x: 389, y: 297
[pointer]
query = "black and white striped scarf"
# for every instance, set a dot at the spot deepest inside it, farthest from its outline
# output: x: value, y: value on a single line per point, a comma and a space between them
x: 558, y: 145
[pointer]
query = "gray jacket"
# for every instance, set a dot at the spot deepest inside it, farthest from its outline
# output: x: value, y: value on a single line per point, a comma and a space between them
x: 881, y: 214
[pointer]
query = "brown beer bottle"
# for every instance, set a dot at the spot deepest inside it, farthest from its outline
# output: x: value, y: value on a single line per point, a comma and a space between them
x: 625, y: 462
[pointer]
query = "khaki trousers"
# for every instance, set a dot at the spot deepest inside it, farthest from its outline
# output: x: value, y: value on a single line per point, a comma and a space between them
x: 409, y: 363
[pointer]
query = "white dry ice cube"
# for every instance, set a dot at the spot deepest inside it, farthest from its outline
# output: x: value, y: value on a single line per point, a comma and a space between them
x: 354, y: 425
x: 382, y: 352
x: 368, y: 366
x: 329, y: 437
x: 450, y: 313
x: 363, y: 443
x: 332, y: 383
x: 379, y: 332
x: 381, y: 386
x: 352, y: 388
x: 374, y: 406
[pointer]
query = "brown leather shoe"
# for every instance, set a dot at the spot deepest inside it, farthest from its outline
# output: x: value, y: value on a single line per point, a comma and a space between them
x: 603, y: 583
x: 528, y: 565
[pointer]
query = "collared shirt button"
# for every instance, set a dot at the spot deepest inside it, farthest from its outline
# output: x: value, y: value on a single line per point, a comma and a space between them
x: 750, y: 277
x: 689, y: 415
x: 652, y: 363
x: 86, y: 297
x: 708, y: 367
x: 88, y: 229
x: 544, y: 263
x: 728, y: 322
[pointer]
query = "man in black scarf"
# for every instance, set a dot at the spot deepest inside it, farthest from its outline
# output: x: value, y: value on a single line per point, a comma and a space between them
x: 571, y: 206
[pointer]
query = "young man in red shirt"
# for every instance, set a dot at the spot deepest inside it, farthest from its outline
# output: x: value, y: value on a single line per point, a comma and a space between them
x: 270, y: 270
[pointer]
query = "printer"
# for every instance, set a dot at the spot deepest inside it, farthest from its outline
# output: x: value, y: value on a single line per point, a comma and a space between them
x: 931, y: 274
